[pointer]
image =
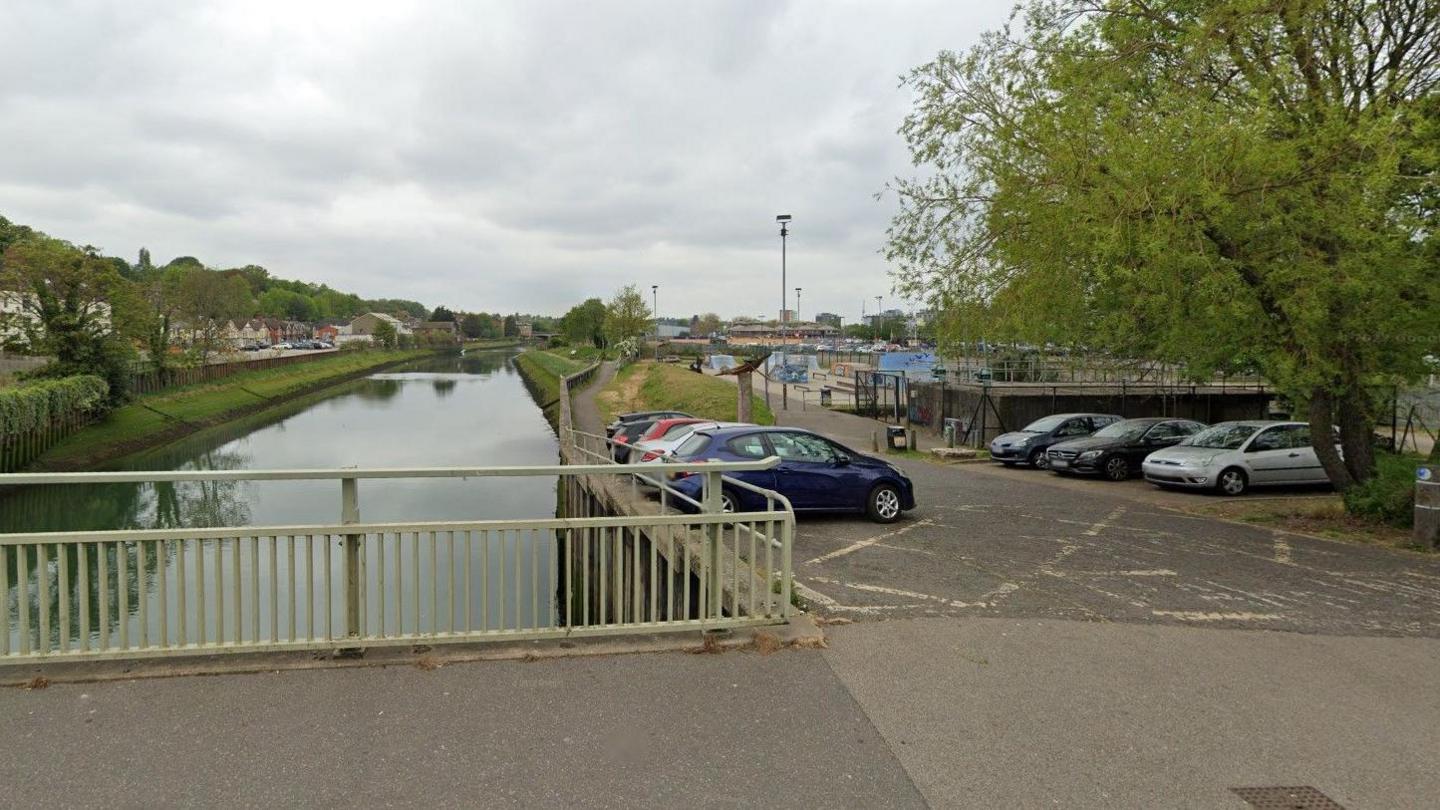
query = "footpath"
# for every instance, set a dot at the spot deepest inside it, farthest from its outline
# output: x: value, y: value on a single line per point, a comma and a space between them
x: 912, y: 705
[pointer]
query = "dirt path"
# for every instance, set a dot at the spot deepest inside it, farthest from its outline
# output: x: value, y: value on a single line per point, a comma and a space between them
x: 583, y: 408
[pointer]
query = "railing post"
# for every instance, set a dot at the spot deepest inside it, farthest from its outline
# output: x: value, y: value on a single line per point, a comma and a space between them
x: 787, y: 540
x: 713, y: 533
x: 350, y: 515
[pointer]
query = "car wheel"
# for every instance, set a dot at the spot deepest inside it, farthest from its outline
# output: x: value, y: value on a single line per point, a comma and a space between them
x: 729, y: 502
x: 1232, y: 482
x: 1117, y: 468
x: 883, y: 505
x: 1039, y: 461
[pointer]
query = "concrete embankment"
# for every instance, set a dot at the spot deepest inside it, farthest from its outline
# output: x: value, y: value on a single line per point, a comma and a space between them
x: 165, y: 416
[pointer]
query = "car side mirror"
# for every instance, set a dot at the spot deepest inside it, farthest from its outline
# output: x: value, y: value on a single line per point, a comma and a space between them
x: 842, y: 461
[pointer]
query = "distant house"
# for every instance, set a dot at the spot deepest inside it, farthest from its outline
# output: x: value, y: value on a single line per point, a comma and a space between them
x: 254, y: 331
x: 16, y: 317
x: 365, y: 324
x: 327, y: 332
x: 437, y: 330
x: 526, y: 329
x: 283, y: 331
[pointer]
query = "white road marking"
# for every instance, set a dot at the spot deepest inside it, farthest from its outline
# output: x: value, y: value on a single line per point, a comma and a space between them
x: 1282, y: 550
x: 1095, y: 530
x: 860, y: 586
x: 864, y: 544
x: 1205, y: 616
x: 1153, y: 572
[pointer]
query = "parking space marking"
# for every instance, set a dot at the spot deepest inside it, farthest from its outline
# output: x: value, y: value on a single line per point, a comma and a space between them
x: 1094, y: 531
x: 829, y: 603
x: 860, y: 586
x: 1282, y: 550
x: 1205, y: 616
x: 864, y: 544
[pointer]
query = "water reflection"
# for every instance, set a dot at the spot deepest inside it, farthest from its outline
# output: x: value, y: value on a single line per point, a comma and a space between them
x: 467, y: 410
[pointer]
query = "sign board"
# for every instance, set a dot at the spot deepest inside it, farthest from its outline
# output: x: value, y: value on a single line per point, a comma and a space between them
x: 911, y: 364
x: 790, y: 368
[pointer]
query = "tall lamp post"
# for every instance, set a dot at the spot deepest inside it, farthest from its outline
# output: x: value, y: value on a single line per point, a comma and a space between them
x: 784, y: 220
x: 879, y: 314
x: 797, y: 303
x: 655, y: 310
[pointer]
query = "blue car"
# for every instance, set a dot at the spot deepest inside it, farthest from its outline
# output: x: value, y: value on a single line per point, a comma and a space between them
x: 816, y: 474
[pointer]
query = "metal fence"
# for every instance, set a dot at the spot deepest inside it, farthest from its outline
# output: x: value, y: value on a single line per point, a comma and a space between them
x: 145, y: 378
x: 144, y: 593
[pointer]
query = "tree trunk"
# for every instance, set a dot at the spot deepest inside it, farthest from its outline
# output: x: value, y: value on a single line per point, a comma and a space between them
x: 743, y: 413
x: 1322, y: 421
x: 1354, y: 412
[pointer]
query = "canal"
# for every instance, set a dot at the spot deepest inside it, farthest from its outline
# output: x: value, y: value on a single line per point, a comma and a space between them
x: 455, y: 410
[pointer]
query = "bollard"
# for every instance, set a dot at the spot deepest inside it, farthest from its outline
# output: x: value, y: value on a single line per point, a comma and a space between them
x: 874, y: 442
x: 1427, y: 507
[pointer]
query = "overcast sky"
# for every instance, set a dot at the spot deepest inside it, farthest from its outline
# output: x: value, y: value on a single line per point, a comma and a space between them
x: 497, y: 156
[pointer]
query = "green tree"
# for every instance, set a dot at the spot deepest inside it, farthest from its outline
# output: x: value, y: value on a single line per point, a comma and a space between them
x: 511, y: 326
x: 626, y: 315
x: 585, y: 323
x: 60, y: 304
x: 207, y: 302
x: 385, y: 335
x: 442, y: 314
x: 472, y: 326
x: 1219, y: 185
x: 706, y: 325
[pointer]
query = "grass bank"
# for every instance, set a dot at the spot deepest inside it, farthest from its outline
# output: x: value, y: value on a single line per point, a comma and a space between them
x: 164, y: 416
x: 650, y: 386
x: 542, y: 369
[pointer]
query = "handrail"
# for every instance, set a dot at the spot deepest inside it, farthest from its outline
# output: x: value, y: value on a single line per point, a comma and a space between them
x: 145, y: 476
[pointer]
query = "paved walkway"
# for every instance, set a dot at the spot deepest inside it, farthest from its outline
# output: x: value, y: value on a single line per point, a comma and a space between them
x: 948, y: 712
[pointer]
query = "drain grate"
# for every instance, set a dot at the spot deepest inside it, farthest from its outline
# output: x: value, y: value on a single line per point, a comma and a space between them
x: 1287, y: 798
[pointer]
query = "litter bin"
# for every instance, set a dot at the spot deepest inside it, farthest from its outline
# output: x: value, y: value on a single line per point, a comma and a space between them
x: 895, y: 437
x: 825, y: 396
x: 953, y: 432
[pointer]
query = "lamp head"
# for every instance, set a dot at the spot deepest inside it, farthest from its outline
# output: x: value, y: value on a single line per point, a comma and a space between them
x: 782, y: 217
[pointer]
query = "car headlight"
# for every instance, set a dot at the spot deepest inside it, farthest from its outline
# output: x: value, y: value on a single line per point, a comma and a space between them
x: 1090, y: 455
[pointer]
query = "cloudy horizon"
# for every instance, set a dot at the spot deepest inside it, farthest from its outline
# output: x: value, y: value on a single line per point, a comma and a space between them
x: 519, y: 158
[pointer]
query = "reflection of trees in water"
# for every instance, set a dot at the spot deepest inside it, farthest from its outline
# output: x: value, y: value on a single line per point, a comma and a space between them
x: 481, y: 362
x: 444, y: 386
x: 378, y: 390
x: 205, y: 503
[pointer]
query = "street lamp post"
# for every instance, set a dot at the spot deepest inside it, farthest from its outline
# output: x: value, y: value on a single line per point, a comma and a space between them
x: 784, y: 220
x: 655, y: 310
x: 797, y: 303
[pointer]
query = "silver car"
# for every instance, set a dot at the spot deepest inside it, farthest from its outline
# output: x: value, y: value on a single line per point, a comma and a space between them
x: 1231, y: 457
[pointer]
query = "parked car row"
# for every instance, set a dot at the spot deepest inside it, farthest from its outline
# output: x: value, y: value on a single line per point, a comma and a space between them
x: 1229, y: 457
x: 294, y: 344
x: 815, y: 473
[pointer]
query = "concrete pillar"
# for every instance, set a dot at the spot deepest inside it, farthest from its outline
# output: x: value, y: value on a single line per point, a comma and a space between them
x: 1427, y: 506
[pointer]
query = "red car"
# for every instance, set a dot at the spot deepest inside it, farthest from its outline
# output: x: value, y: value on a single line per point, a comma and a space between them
x: 661, y: 427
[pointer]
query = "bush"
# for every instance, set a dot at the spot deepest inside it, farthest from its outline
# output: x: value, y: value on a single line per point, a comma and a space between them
x: 27, y: 408
x: 1389, y: 497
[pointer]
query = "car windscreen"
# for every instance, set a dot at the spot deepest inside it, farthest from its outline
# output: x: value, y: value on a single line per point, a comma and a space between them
x: 1221, y: 437
x: 1045, y: 425
x: 693, y: 446
x: 1123, y: 430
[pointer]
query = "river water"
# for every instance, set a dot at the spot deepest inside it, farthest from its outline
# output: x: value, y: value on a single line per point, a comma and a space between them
x: 471, y: 410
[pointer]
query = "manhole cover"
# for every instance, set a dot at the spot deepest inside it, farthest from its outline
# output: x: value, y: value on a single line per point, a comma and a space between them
x: 1287, y: 798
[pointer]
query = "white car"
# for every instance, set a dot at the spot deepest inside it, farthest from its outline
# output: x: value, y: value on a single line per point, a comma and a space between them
x: 1231, y: 457
x: 656, y: 450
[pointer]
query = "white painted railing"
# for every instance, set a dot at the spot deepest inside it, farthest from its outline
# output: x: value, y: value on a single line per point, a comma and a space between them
x: 139, y: 593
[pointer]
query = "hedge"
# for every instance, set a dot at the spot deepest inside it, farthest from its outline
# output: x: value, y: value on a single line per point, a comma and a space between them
x: 35, y: 415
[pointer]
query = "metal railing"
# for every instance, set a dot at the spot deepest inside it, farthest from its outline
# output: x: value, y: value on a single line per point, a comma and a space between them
x: 345, y: 585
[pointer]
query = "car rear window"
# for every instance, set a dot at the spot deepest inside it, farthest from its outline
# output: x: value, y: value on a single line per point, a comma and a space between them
x: 676, y: 431
x: 693, y: 446
x: 749, y: 446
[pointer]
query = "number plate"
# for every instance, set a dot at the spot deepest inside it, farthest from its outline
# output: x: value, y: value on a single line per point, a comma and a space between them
x: 1059, y: 464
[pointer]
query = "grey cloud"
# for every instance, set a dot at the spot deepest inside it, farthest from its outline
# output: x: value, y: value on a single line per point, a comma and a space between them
x: 513, y: 156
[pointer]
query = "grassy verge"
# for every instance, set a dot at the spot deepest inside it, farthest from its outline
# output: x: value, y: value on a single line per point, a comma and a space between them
x: 166, y: 415
x: 542, y: 371
x: 649, y: 386
x: 1322, y: 515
